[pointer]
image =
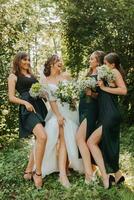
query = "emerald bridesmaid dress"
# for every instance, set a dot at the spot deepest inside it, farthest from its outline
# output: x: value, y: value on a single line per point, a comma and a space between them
x: 88, y: 109
x: 110, y: 119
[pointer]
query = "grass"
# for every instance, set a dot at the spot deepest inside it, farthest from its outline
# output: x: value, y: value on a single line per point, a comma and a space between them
x: 13, y: 156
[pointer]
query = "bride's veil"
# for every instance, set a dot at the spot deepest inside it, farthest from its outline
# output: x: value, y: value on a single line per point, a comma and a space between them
x: 42, y: 78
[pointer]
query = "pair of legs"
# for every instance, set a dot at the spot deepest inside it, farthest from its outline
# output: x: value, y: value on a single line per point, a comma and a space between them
x: 41, y: 138
x: 63, y: 159
x: 84, y: 150
x: 93, y: 144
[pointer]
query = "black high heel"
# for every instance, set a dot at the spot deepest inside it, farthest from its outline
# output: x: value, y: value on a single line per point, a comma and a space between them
x: 121, y: 180
x: 111, y: 180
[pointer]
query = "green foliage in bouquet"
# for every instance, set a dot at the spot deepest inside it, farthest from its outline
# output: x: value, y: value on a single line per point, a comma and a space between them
x: 35, y: 89
x: 38, y: 90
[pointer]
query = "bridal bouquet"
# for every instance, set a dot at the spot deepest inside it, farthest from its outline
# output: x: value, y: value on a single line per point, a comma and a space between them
x: 105, y: 73
x: 67, y: 92
x: 38, y: 90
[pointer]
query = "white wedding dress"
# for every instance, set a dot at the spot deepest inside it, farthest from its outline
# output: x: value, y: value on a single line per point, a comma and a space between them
x: 50, y: 160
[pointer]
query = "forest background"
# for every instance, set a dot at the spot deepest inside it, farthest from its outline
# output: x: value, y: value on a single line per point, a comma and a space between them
x: 73, y: 29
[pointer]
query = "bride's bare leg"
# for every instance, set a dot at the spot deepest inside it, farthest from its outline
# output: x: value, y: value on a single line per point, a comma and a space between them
x: 63, y: 159
x: 81, y: 142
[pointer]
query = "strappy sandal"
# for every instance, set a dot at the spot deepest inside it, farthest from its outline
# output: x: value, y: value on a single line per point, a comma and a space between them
x: 89, y: 179
x: 64, y: 183
x: 38, y: 182
x: 28, y: 176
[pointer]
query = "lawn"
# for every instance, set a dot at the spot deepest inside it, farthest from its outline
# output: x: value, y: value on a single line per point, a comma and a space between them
x: 13, y: 154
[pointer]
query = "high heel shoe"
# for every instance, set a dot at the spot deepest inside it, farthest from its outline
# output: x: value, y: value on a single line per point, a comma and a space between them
x: 121, y: 180
x: 90, y: 178
x: 64, y: 182
x: 38, y: 182
x: 28, y: 175
x: 88, y: 181
x: 111, y: 179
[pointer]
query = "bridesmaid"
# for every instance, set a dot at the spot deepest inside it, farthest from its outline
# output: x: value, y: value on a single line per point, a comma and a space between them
x: 32, y: 112
x: 88, y: 115
x: 104, y: 141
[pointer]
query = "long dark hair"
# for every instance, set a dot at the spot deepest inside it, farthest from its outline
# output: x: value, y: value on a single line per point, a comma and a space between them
x: 99, y: 55
x: 49, y: 63
x: 16, y: 64
x: 113, y: 58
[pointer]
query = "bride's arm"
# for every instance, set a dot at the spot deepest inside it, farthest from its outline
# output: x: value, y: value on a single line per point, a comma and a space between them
x: 55, y: 109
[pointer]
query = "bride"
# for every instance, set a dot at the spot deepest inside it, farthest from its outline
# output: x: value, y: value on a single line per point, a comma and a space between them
x: 61, y: 126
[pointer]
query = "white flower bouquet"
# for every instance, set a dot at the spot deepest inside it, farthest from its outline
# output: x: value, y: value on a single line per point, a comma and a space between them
x: 86, y: 83
x: 38, y: 90
x: 105, y: 73
x: 68, y: 92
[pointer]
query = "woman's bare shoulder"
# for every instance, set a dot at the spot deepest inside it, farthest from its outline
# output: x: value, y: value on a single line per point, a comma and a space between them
x: 116, y: 73
x: 12, y: 77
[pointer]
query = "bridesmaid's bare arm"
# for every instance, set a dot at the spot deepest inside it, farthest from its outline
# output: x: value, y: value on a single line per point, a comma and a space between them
x: 120, y: 88
x: 12, y: 79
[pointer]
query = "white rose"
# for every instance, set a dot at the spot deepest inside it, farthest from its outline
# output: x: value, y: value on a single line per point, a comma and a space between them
x: 5, y: 112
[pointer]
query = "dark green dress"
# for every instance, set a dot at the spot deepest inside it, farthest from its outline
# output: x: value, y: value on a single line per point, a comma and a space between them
x: 28, y: 120
x: 88, y: 109
x: 109, y: 118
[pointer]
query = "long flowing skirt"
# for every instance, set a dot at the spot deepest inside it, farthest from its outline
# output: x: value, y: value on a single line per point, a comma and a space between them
x: 50, y: 160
